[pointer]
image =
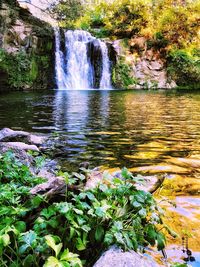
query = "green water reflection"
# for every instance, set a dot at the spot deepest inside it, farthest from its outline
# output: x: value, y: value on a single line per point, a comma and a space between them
x: 113, y: 128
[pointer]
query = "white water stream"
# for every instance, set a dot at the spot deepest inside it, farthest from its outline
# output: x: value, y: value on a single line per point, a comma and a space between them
x: 73, y: 66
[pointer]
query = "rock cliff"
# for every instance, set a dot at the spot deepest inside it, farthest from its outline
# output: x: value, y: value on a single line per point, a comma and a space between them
x: 26, y: 49
x: 140, y: 67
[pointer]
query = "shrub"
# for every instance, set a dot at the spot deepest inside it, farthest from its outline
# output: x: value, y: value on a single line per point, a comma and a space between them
x: 19, y: 67
x: 184, y: 68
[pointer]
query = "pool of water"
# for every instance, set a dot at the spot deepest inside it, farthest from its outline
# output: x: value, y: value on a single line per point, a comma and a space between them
x: 112, y: 128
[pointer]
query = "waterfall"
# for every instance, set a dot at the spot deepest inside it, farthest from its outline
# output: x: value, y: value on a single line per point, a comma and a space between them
x: 59, y: 62
x: 78, y: 67
x: 83, y: 63
x: 106, y: 77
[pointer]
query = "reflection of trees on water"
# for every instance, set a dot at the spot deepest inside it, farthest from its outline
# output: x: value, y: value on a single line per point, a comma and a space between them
x: 128, y: 123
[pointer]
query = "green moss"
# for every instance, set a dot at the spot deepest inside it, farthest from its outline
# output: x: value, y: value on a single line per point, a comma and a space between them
x: 122, y: 75
x: 22, y: 69
x: 49, y: 46
x: 33, y: 70
x: 18, y: 67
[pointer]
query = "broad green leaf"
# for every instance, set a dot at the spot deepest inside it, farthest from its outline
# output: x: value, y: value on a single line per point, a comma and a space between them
x: 20, y: 226
x: 142, y: 212
x: 108, y: 239
x: 99, y: 212
x: 128, y: 241
x: 117, y: 226
x: 29, y: 238
x: 63, y: 207
x: 23, y: 248
x: 119, y: 238
x: 47, y: 213
x: 5, y: 239
x: 160, y: 241
x: 80, y: 212
x: 51, y: 243
x: 36, y: 201
x: 90, y: 196
x: 80, y: 245
x: 151, y: 234
x: 136, y: 204
x: 71, y: 258
x: 52, y: 262
x: 71, y: 233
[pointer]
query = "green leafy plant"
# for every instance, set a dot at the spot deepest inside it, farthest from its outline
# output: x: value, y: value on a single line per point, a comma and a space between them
x: 78, y: 225
x: 64, y: 259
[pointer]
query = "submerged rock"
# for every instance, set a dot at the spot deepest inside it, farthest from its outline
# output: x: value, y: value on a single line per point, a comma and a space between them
x: 154, y: 169
x: 116, y: 257
x: 185, y: 162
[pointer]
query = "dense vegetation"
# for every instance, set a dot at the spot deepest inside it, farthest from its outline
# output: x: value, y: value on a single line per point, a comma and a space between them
x: 169, y: 27
x: 42, y: 231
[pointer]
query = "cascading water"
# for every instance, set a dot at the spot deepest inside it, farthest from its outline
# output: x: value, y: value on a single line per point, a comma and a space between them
x: 59, y: 60
x: 79, y: 68
x: 106, y: 76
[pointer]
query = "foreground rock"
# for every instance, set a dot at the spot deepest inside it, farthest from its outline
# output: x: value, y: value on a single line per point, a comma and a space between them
x: 8, y: 135
x: 116, y: 257
x: 145, y: 183
x: 17, y: 146
x: 54, y: 186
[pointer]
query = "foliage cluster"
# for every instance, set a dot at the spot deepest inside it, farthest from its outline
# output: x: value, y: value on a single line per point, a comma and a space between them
x: 35, y: 231
x: 184, y: 67
x: 122, y: 75
x: 176, y: 22
x: 20, y: 68
x: 67, y: 11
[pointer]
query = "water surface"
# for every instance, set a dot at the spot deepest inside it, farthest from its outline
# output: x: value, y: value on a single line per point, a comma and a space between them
x: 112, y: 128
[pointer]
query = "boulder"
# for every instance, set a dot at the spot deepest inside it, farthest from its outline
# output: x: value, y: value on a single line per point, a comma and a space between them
x: 116, y: 257
x: 54, y: 186
x: 145, y: 183
x: 18, y: 146
x: 20, y: 154
x: 36, y: 139
x: 8, y: 135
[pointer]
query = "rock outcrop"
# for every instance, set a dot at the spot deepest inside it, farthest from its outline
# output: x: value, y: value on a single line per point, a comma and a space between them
x: 147, y: 66
x: 25, y: 37
x: 116, y: 257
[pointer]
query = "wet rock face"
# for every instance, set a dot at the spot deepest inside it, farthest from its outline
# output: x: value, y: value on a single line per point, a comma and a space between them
x: 21, y: 32
x: 95, y: 56
x: 151, y: 73
x: 147, y: 65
